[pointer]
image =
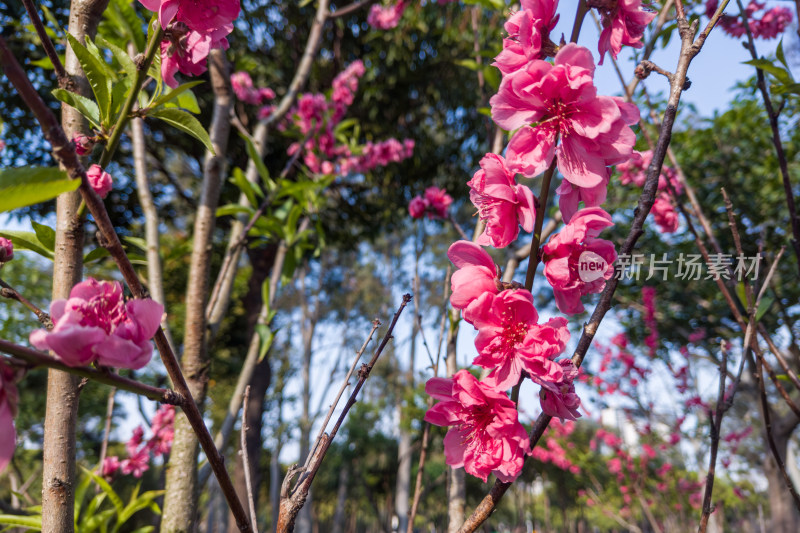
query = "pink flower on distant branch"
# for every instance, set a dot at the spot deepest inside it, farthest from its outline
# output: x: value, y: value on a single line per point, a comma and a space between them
x: 6, y: 250
x: 510, y: 339
x: 8, y: 410
x: 99, y: 180
x: 528, y: 35
x: 136, y: 464
x: 386, y: 17
x: 417, y: 207
x: 563, y: 256
x: 476, y: 275
x: 96, y: 324
x: 502, y: 203
x: 623, y: 22
x: 558, y: 102
x: 664, y: 214
x: 110, y: 466
x: 486, y: 437
x: 438, y: 201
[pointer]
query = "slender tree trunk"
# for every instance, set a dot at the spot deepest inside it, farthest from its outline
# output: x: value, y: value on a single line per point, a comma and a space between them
x: 403, y: 485
x: 784, y: 517
x: 261, y: 260
x: 309, y: 324
x: 180, y: 501
x: 61, y: 413
x: 339, y: 515
x: 457, y: 485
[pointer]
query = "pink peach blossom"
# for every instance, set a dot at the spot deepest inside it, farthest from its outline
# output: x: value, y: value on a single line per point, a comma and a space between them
x: 547, y: 103
x: 187, y: 51
x: 202, y: 16
x: 502, y: 203
x: 99, y: 180
x: 417, y: 207
x: 476, y: 275
x: 562, y: 255
x: 386, y: 17
x: 486, y: 437
x: 136, y: 464
x: 511, y: 341
x: 664, y: 214
x: 110, y: 466
x: 96, y: 324
x: 438, y: 202
x: 528, y: 35
x: 570, y: 196
x: 623, y: 22
x: 83, y: 144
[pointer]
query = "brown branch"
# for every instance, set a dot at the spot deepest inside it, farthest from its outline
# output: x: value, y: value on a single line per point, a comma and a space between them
x: 64, y: 153
x: 64, y: 80
x: 772, y: 115
x: 689, y: 49
x: 107, y: 429
x: 9, y: 292
x: 293, y: 500
x: 246, y: 461
x: 35, y: 359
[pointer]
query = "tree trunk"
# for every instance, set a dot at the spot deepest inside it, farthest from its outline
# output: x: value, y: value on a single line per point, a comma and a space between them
x: 61, y: 413
x: 457, y: 485
x: 784, y: 517
x: 180, y: 501
x: 339, y: 515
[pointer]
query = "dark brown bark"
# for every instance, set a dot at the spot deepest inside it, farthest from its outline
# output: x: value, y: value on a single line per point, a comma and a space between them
x: 180, y: 500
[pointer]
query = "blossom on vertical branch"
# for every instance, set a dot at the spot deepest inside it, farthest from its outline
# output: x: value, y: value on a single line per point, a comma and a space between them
x: 486, y: 437
x: 623, y: 23
x: 547, y: 103
x: 767, y: 25
x: 511, y: 341
x: 502, y: 203
x: 192, y: 28
x: 141, y: 452
x: 435, y: 203
x: 96, y: 325
x: 99, y: 180
x: 528, y: 35
x: 567, y: 251
x: 664, y: 213
x: 476, y: 275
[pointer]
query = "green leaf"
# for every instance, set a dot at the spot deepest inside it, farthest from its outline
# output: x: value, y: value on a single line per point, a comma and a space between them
x: 30, y: 522
x: 45, y: 234
x: 128, y: 23
x: 23, y: 186
x: 95, y: 255
x: 783, y: 75
x: 106, y: 488
x: 471, y: 64
x: 266, y: 336
x: 238, y: 178
x: 87, y: 108
x: 121, y: 56
x: 235, y: 209
x: 177, y: 91
x: 26, y: 240
x: 186, y: 123
x: 780, y: 55
x: 763, y: 307
x: 95, y: 71
x: 252, y: 153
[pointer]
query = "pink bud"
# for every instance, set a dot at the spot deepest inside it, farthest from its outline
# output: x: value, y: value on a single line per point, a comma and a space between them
x: 417, y: 207
x: 83, y: 144
x: 99, y: 180
x: 6, y: 250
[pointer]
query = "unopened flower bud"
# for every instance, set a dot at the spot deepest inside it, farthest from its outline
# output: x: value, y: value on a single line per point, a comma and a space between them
x: 99, y: 180
x: 6, y: 250
x: 83, y: 144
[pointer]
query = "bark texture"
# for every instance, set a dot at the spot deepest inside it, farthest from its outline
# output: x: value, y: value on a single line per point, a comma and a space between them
x: 61, y: 413
x: 180, y: 501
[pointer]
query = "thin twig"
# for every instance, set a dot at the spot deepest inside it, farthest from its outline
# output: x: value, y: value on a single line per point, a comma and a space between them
x: 9, y: 292
x: 293, y: 500
x: 61, y: 74
x: 107, y: 429
x: 246, y: 461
